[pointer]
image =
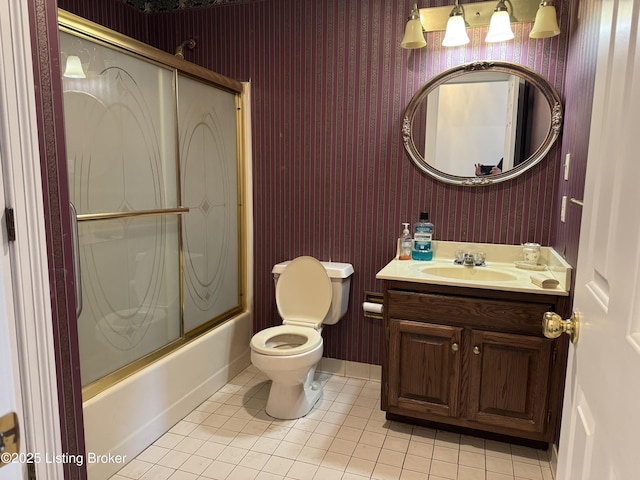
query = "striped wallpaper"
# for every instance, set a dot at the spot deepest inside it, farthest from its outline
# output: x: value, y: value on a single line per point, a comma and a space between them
x: 329, y: 87
x: 113, y: 14
x: 580, y: 79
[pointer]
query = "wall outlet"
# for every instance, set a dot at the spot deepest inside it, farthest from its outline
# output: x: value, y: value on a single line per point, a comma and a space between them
x: 567, y: 161
x: 563, y: 208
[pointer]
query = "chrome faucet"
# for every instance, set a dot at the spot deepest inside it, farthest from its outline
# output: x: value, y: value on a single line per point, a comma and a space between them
x: 469, y: 259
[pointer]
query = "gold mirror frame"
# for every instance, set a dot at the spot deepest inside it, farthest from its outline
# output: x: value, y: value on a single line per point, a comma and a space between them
x: 549, y: 93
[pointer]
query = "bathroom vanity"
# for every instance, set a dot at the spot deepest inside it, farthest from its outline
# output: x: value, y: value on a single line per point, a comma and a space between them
x: 463, y: 346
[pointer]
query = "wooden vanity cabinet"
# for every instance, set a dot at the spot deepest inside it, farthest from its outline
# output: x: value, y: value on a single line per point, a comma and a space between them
x: 426, y: 374
x: 473, y: 358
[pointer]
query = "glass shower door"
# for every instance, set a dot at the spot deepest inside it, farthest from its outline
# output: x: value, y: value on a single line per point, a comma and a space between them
x: 209, y: 179
x: 123, y: 180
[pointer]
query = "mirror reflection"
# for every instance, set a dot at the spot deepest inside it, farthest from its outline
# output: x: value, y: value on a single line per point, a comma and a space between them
x: 481, y: 123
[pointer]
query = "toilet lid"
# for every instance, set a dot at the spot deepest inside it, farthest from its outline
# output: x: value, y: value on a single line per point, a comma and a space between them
x: 285, y: 340
x: 303, y: 292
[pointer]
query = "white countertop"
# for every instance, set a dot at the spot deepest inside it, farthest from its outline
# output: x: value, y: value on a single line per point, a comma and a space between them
x: 499, y: 259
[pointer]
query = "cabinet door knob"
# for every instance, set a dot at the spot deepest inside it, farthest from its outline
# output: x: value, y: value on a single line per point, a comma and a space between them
x: 476, y: 350
x: 455, y: 347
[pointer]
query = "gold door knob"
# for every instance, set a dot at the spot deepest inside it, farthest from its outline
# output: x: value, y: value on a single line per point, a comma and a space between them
x: 455, y: 347
x: 553, y: 326
x: 476, y: 350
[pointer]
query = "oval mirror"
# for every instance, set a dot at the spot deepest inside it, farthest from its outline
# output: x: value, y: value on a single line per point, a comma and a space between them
x: 481, y: 123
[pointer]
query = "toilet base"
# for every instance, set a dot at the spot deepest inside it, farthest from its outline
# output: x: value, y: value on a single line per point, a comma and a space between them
x: 287, y: 402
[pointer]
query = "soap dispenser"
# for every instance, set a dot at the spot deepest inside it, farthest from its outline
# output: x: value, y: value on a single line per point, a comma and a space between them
x: 422, y: 236
x: 406, y: 243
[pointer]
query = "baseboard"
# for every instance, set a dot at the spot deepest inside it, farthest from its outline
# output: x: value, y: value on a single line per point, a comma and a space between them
x: 344, y: 368
x: 554, y: 460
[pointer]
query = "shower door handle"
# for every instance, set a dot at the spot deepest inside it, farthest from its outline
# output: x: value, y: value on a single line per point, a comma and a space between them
x: 75, y: 249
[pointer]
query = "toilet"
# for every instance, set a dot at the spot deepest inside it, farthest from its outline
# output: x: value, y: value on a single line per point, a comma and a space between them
x: 309, y: 294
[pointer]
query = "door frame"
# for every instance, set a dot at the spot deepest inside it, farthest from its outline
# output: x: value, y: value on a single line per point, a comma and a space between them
x: 37, y: 334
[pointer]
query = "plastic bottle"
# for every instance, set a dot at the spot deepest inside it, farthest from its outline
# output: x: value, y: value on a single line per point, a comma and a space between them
x: 422, y: 236
x: 406, y: 243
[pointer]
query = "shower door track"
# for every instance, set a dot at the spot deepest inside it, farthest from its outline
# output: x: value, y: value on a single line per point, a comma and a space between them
x: 137, y: 213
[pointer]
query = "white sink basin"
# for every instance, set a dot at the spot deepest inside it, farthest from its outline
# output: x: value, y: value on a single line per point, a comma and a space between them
x: 479, y: 274
x: 501, y: 272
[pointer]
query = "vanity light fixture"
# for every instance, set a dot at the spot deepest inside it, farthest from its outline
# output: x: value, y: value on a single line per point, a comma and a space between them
x: 500, y: 25
x: 73, y: 68
x: 456, y: 33
x: 482, y: 14
x: 546, y: 24
x: 413, y: 36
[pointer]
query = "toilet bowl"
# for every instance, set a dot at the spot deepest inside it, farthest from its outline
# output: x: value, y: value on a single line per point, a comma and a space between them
x: 289, y: 353
x: 293, y: 391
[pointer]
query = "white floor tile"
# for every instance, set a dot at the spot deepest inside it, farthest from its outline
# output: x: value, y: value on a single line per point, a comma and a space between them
x: 195, y: 464
x: 135, y: 469
x: 179, y: 475
x: 391, y: 457
x: 278, y: 465
x: 157, y: 472
x: 302, y: 470
x: 173, y: 459
x: 417, y: 463
x: 243, y: 473
x: 412, y: 475
x: 324, y: 473
x: 152, y: 454
x: 366, y: 452
x: 218, y: 470
x: 386, y: 472
x: 345, y: 437
x: 336, y: 461
x: 361, y: 467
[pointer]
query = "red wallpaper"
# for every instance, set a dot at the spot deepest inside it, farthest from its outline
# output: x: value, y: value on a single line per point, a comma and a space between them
x: 580, y: 78
x: 331, y: 179
x: 113, y: 14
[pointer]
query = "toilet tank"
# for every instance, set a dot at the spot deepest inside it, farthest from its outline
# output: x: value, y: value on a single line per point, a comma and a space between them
x: 340, y: 275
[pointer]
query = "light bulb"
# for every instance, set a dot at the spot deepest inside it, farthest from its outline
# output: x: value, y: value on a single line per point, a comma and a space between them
x: 413, y: 36
x: 73, y: 68
x: 546, y: 23
x: 499, y: 27
x: 456, y: 33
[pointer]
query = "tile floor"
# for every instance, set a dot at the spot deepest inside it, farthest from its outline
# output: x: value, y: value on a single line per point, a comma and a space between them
x: 344, y: 437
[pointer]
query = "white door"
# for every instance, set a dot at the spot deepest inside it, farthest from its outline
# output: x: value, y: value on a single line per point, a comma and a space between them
x: 601, y: 416
x: 10, y: 396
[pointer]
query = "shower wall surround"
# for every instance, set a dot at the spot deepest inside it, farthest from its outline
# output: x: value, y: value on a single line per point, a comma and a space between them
x: 153, y: 159
x: 329, y: 88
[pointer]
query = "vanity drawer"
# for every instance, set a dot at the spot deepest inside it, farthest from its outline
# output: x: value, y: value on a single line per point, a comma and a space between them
x: 503, y: 315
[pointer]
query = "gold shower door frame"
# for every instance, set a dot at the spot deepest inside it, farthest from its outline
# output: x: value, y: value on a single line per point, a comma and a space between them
x: 208, y: 228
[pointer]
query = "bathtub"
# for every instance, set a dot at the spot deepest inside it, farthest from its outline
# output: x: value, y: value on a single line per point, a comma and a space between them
x: 128, y: 417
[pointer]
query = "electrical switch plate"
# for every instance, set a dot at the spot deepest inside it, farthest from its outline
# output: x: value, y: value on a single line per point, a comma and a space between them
x: 567, y: 161
x: 563, y: 209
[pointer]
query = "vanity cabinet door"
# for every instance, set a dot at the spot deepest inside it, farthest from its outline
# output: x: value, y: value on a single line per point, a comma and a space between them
x: 424, y: 368
x: 509, y: 380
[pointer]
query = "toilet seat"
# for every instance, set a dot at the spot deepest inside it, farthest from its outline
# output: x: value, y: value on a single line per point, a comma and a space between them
x: 285, y: 340
x: 303, y: 293
x: 303, y: 297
